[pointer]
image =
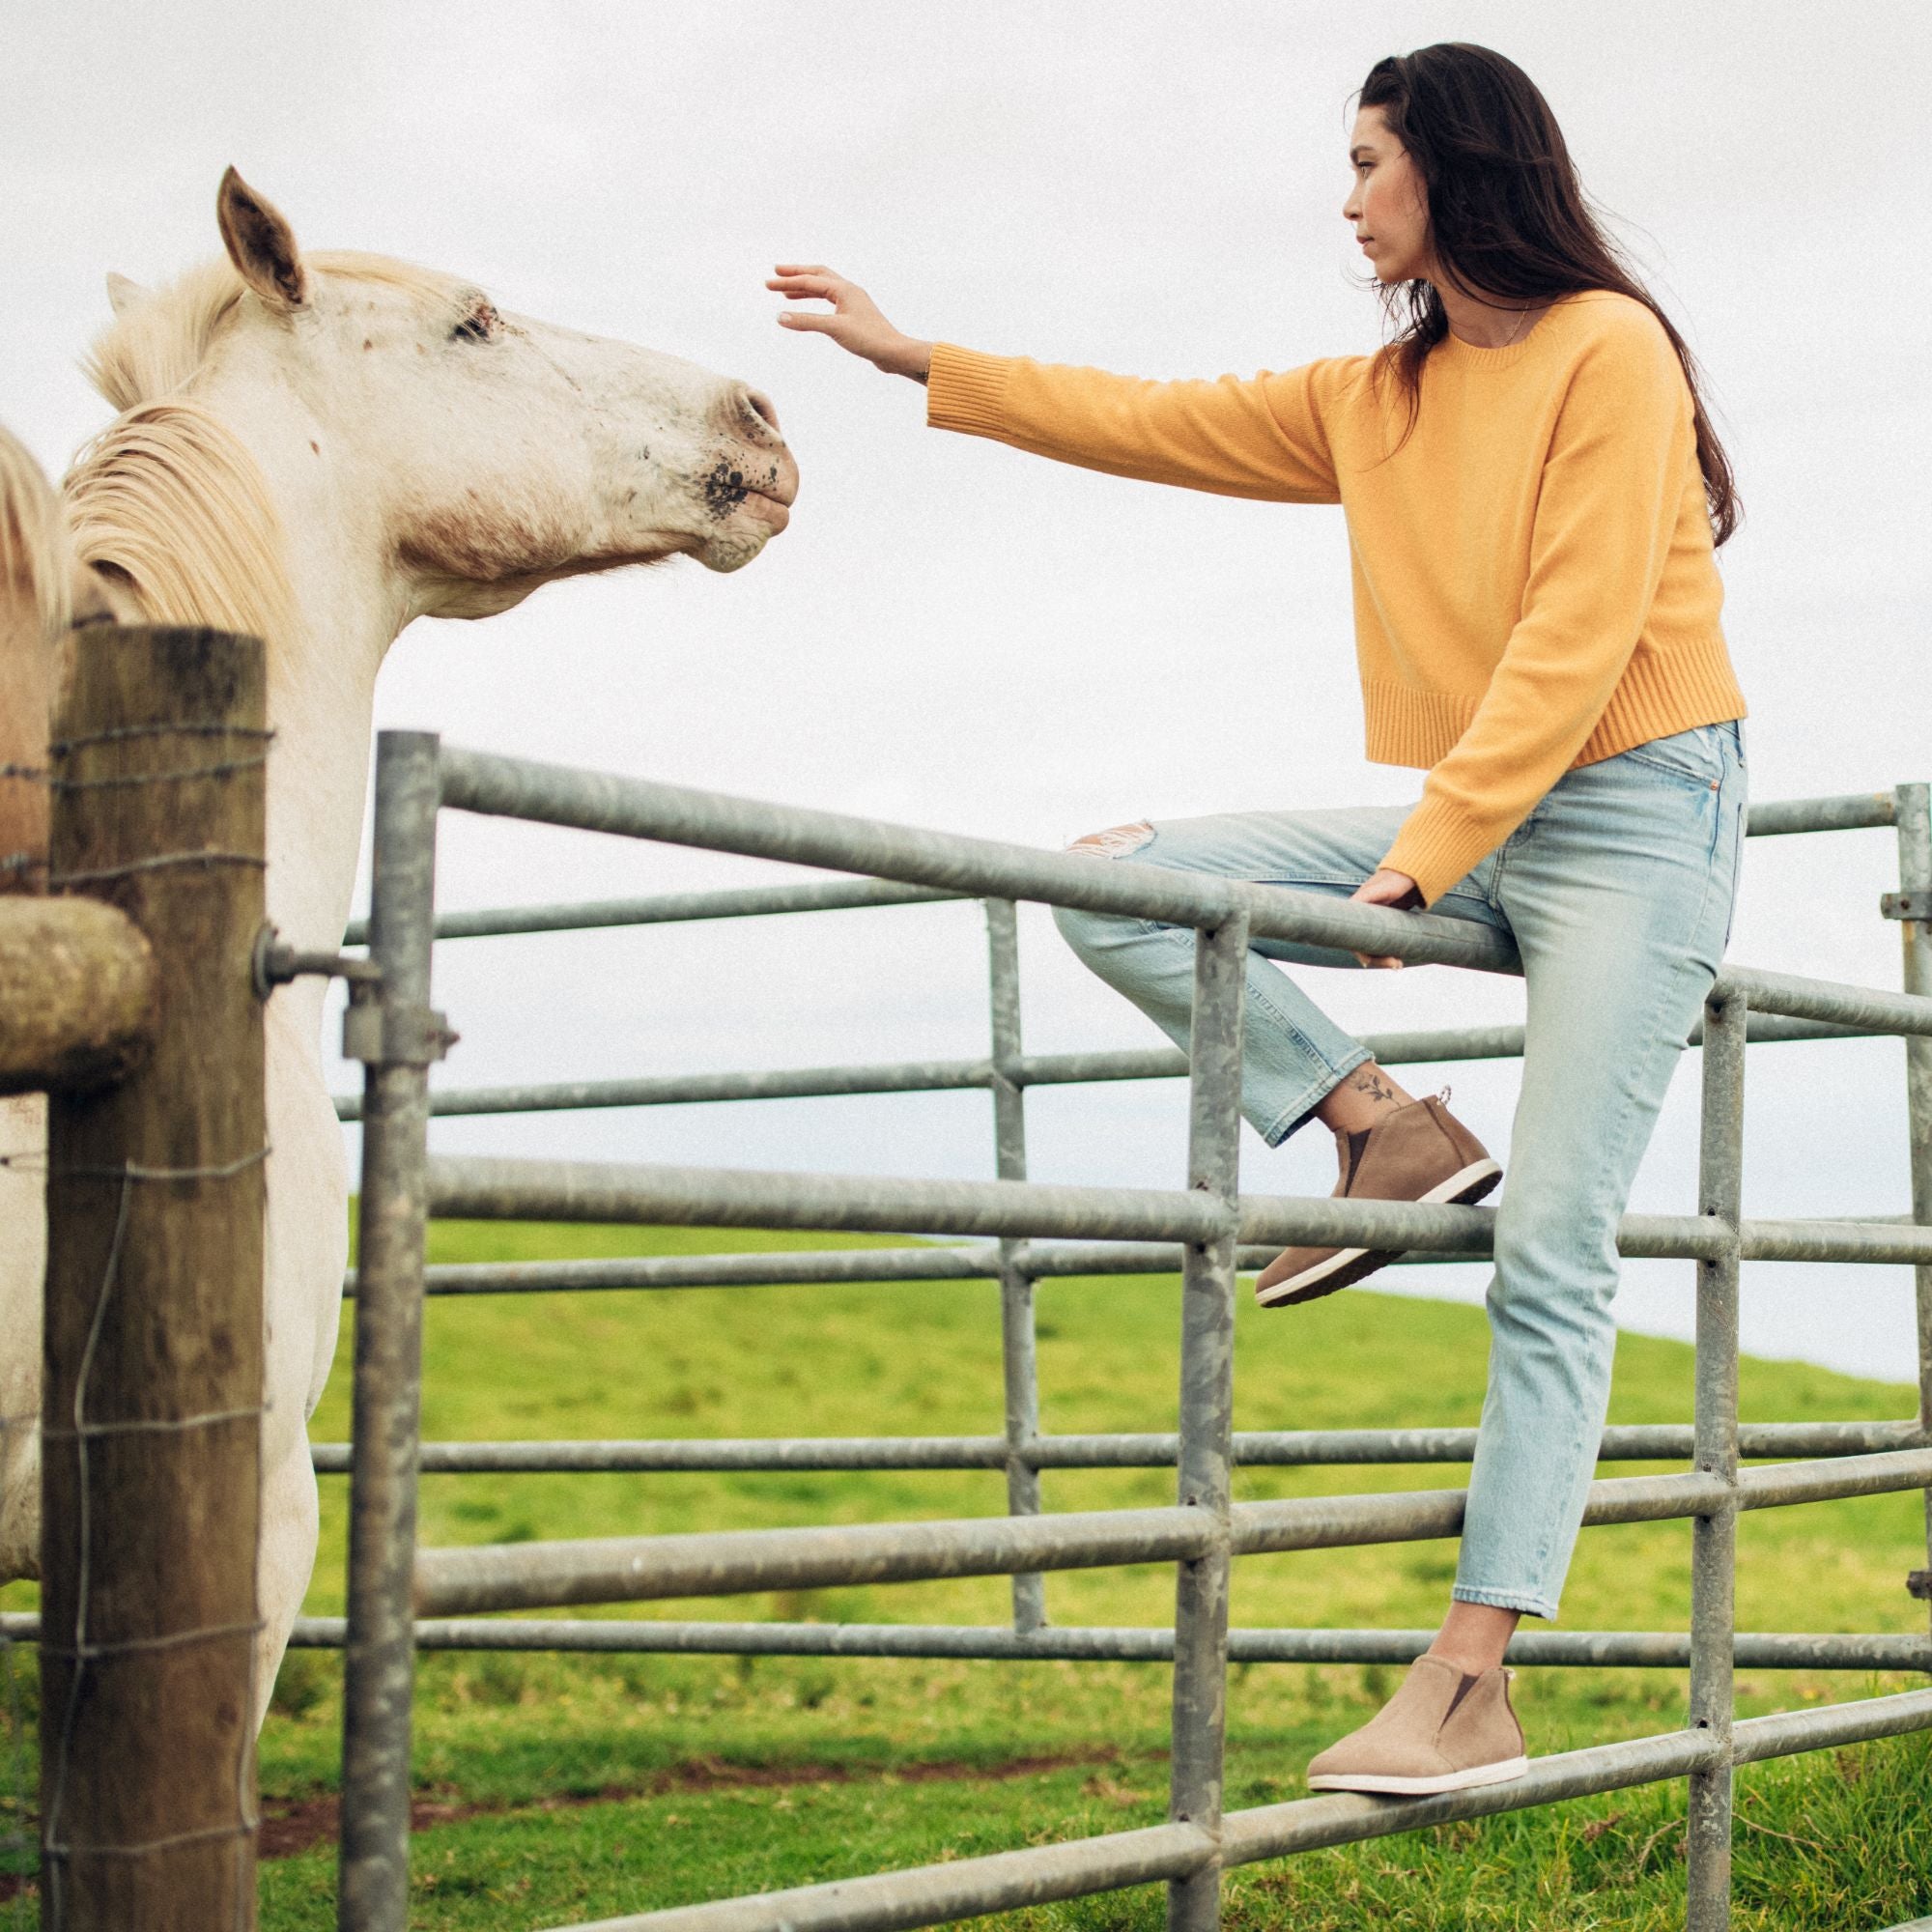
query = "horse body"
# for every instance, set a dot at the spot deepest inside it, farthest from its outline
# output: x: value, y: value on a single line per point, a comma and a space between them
x: 319, y: 450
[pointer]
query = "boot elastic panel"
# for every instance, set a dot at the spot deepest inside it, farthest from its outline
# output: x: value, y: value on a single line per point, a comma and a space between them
x: 1358, y: 1139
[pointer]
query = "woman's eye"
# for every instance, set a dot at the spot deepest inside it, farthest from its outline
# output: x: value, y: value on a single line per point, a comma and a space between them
x: 478, y: 325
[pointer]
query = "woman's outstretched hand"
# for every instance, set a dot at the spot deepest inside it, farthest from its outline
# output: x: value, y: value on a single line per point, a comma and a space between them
x: 854, y: 322
x: 1385, y: 887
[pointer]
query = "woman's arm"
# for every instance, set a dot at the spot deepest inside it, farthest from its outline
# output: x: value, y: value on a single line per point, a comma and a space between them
x: 979, y: 397
x: 1261, y: 437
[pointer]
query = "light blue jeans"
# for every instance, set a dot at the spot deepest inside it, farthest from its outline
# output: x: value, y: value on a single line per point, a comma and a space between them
x: 1618, y: 889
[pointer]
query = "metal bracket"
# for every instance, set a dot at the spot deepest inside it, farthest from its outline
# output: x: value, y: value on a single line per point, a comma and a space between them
x: 379, y: 1035
x: 1906, y: 905
x: 371, y: 1032
x: 275, y: 963
x: 1919, y: 1583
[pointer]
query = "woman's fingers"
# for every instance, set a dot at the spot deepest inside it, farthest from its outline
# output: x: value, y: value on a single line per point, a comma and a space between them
x: 822, y: 283
x: 854, y: 322
x: 1385, y: 888
x: 808, y: 281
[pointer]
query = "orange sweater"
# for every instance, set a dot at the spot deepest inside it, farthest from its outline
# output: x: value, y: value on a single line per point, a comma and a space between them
x: 1534, y: 583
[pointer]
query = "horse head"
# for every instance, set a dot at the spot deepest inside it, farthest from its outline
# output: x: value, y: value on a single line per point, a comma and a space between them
x: 464, y: 454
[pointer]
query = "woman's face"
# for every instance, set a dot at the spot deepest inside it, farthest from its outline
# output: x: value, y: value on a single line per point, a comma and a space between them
x: 1388, y: 206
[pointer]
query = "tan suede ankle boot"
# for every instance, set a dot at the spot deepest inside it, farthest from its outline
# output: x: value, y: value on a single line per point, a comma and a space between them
x: 1441, y: 1731
x: 1418, y: 1151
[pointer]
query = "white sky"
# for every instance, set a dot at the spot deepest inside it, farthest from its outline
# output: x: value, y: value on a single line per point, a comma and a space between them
x: 952, y: 634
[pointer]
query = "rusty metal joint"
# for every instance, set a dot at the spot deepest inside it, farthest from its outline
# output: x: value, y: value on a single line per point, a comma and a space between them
x: 1919, y: 1583
x: 1907, y: 906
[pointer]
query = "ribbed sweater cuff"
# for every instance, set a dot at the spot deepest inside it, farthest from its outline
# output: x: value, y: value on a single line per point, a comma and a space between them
x: 966, y: 391
x: 1435, y: 847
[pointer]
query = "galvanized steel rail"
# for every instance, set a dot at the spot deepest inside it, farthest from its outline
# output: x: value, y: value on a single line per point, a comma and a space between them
x: 402, y: 1598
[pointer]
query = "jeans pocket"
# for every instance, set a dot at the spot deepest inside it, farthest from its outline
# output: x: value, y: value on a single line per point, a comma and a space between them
x: 1695, y: 756
x: 1737, y: 855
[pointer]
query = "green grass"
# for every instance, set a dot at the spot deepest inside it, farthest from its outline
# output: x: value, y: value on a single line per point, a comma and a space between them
x: 568, y: 1788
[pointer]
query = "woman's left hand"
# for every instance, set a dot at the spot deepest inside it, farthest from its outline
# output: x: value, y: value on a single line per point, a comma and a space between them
x: 1387, y: 888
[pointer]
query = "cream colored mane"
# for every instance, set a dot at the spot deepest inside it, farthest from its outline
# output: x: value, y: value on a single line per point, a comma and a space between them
x: 165, y: 498
x: 168, y: 502
x: 36, y: 566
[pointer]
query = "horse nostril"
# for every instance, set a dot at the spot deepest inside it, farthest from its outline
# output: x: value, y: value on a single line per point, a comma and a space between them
x: 760, y: 406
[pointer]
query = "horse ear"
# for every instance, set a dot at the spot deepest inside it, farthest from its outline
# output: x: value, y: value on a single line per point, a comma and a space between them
x: 122, y: 293
x: 260, y: 243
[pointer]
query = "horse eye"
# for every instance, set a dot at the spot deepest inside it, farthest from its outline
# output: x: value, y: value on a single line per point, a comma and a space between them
x: 477, y: 326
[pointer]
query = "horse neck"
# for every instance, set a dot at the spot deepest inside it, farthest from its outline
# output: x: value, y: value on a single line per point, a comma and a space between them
x: 347, y: 611
x: 322, y: 692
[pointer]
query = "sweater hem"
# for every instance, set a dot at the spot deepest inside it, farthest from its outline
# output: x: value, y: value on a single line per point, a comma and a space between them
x: 1670, y: 687
x: 1662, y: 691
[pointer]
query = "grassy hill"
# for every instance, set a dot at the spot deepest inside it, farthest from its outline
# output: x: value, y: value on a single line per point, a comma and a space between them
x: 562, y: 1789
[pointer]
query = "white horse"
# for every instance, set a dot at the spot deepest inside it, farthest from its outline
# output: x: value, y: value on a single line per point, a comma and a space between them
x: 317, y: 449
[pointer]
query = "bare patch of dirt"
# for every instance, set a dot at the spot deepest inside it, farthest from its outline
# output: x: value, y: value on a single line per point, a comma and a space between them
x: 292, y: 1824
x: 297, y: 1824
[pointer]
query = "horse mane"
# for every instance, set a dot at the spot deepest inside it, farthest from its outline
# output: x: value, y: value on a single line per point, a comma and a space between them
x: 166, y: 496
x: 168, y: 501
x: 36, y: 563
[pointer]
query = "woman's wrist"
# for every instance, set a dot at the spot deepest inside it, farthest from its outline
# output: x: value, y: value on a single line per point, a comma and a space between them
x: 908, y: 356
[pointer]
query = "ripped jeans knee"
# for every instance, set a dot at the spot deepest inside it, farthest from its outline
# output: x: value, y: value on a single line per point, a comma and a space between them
x: 1093, y: 935
x: 1118, y: 841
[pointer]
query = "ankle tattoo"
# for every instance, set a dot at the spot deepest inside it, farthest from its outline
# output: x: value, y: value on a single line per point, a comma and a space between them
x: 1369, y: 1081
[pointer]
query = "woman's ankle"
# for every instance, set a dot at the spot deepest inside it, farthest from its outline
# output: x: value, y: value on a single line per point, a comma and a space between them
x: 1475, y: 1636
x: 1362, y: 1099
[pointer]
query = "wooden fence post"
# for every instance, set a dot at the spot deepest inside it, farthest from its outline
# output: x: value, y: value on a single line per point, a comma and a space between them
x: 152, y: 1353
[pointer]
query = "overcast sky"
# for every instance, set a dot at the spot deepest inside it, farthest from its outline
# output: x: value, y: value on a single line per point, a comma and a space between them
x: 952, y: 634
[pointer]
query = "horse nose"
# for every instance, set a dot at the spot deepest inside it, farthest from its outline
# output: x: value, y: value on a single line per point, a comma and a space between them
x: 759, y: 405
x: 754, y: 423
x: 747, y: 415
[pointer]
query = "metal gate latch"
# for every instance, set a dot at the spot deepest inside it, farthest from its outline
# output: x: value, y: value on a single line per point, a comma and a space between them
x: 276, y: 963
x: 379, y: 1035
x: 1906, y: 905
x: 1919, y: 1583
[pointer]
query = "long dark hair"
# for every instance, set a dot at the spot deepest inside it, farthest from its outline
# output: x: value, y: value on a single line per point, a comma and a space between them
x: 1508, y: 218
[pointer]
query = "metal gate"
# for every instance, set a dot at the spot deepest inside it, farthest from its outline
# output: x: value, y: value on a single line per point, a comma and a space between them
x: 1031, y: 1232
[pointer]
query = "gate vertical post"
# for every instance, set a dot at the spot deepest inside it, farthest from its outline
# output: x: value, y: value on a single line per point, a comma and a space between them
x: 1017, y: 1285
x: 1207, y: 1411
x: 396, y: 1044
x: 1714, y: 1537
x: 1913, y: 813
x: 152, y: 1348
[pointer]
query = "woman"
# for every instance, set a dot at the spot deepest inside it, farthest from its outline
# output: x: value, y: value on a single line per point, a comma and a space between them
x: 1534, y: 495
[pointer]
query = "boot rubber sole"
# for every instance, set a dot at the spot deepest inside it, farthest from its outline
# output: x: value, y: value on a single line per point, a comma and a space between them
x: 1499, y: 1773
x: 1351, y: 1264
